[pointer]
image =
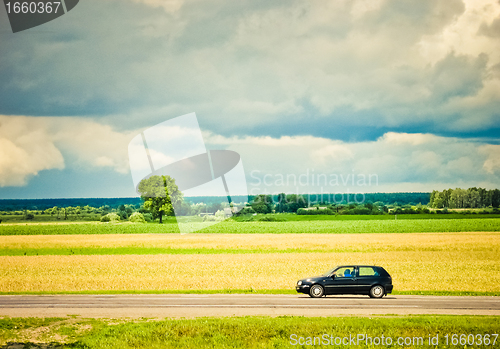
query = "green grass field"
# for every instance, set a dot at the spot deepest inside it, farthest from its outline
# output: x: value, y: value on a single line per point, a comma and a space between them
x: 249, y: 332
x: 294, y: 227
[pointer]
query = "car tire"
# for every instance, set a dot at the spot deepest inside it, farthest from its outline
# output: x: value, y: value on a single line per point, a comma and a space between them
x: 316, y: 291
x: 377, y: 291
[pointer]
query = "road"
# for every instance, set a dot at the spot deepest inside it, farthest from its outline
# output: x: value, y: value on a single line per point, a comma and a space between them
x: 192, y: 305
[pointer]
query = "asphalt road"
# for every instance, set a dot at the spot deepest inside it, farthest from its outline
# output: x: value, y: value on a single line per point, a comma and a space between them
x: 114, y: 306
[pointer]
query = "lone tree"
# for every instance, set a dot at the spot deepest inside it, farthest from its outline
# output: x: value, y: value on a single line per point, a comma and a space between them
x: 160, y: 194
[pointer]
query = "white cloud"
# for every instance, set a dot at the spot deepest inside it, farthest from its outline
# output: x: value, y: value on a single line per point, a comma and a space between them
x: 396, y: 139
x: 492, y: 163
x: 29, y: 145
x: 463, y: 35
x: 170, y: 6
x: 397, y: 161
x: 90, y: 143
x: 332, y: 152
x: 25, y: 150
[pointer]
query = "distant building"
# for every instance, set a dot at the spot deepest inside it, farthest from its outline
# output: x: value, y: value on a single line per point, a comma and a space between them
x: 315, y: 208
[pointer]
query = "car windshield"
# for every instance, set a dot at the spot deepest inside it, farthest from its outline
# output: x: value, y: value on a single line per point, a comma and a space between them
x: 329, y: 272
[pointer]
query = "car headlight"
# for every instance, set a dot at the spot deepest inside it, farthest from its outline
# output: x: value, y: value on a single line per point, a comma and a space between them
x: 299, y: 283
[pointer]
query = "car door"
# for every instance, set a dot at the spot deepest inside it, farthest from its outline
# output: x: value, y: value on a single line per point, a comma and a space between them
x: 343, y: 281
x: 367, y: 276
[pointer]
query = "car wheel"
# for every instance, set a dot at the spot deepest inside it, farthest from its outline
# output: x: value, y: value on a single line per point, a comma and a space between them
x: 377, y: 292
x: 316, y: 291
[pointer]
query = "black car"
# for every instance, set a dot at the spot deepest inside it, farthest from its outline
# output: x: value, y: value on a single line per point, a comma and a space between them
x: 348, y: 279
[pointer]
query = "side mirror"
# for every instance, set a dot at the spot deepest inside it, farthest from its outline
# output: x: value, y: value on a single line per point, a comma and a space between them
x: 333, y: 276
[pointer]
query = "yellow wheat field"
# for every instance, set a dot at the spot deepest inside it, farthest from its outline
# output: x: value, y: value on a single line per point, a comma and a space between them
x: 450, y: 270
x: 466, y: 242
x: 427, y: 261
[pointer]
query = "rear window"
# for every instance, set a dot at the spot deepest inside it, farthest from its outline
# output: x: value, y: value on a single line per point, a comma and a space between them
x: 368, y: 271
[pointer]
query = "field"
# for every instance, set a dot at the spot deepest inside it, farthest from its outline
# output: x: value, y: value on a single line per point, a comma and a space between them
x: 449, y: 262
x: 424, y: 256
x: 241, y: 332
x: 22, y: 245
x: 293, y: 227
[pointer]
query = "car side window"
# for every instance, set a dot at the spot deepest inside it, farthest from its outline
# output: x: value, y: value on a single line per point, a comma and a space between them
x: 367, y: 271
x: 345, y: 272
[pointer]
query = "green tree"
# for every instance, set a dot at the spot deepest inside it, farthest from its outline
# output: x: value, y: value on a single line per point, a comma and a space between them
x: 433, y: 196
x: 55, y: 210
x: 438, y: 200
x: 28, y: 215
x: 458, y: 198
x: 473, y: 198
x: 137, y: 217
x: 263, y: 204
x: 65, y: 213
x: 184, y: 209
x: 160, y: 194
x: 294, y: 202
x: 447, y: 197
x: 495, y: 198
x: 485, y: 197
x: 78, y: 211
x: 214, y: 207
x: 281, y: 205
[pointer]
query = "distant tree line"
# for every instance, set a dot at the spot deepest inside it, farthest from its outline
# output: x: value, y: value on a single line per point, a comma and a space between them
x: 291, y: 203
x: 74, y: 212
x: 302, y: 205
x: 346, y: 199
x: 465, y: 198
x: 309, y: 205
x: 44, y: 204
x: 155, y: 207
x: 208, y: 203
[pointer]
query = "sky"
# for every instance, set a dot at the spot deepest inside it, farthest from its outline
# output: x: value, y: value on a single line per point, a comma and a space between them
x: 316, y: 96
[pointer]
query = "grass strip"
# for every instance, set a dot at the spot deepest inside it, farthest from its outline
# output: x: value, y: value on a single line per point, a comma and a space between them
x: 133, y: 250
x: 243, y: 291
x: 102, y: 251
x: 249, y: 332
